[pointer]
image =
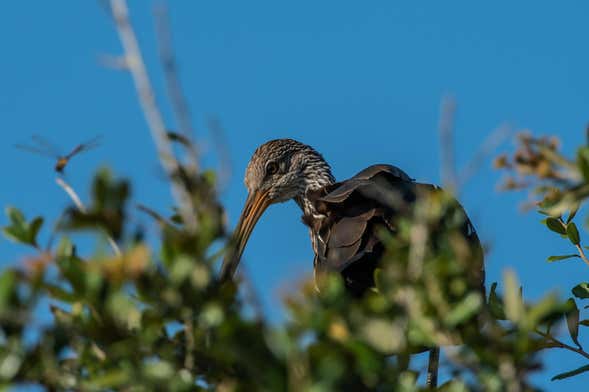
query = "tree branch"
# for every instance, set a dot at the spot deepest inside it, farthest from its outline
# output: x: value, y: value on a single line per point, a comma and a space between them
x: 153, y: 116
x: 173, y: 85
x: 557, y: 343
x: 80, y: 206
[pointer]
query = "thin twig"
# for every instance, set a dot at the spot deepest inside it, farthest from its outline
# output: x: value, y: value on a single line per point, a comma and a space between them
x: 54, y: 230
x: 494, y: 140
x: 153, y: 115
x: 559, y: 344
x: 80, y: 206
x: 446, y: 130
x: 173, y: 85
x: 431, y: 381
x: 582, y: 254
x: 220, y: 144
x: 72, y: 194
x: 189, y: 334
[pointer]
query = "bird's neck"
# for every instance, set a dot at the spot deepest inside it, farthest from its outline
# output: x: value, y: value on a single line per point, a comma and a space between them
x: 316, y: 177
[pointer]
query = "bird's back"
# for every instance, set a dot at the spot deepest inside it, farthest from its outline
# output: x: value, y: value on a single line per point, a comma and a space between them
x: 350, y: 215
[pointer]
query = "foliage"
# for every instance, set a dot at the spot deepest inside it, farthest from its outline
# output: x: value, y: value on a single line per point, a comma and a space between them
x: 559, y: 187
x: 156, y: 316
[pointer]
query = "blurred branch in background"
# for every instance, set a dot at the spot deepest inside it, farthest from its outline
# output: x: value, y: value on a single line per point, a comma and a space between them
x: 173, y: 85
x: 155, y: 121
x: 222, y: 151
x: 484, y: 152
x: 446, y: 132
x: 80, y: 206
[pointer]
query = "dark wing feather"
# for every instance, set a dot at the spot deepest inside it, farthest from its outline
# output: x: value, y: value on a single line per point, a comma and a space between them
x: 354, y: 210
x: 374, y: 170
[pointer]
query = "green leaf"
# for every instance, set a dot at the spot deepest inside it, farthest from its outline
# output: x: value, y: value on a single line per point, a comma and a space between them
x: 584, y: 323
x: 7, y: 285
x: 34, y: 228
x: 583, y: 162
x: 555, y: 225
x: 19, y: 230
x: 514, y: 306
x: 465, y: 309
x: 563, y: 257
x: 15, y: 215
x: 495, y: 304
x: 581, y: 290
x: 571, y: 373
x: 573, y: 233
x: 572, y: 318
x: 382, y: 335
x: 572, y: 213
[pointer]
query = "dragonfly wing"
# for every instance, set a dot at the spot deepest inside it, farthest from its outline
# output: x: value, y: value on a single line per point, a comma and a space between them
x: 90, y: 144
x: 35, y: 150
x: 46, y: 145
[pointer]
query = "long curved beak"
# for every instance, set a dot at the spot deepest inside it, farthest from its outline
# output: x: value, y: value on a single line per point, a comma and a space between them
x: 254, y: 207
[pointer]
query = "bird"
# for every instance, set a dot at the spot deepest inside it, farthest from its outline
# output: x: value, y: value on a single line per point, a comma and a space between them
x: 344, y: 218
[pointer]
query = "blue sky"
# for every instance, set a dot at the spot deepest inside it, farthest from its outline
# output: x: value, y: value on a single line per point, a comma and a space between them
x: 360, y: 83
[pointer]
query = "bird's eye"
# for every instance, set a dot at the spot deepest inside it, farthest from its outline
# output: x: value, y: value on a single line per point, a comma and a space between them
x: 271, y: 168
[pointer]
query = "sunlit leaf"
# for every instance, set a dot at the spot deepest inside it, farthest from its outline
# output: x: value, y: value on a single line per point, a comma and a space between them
x: 465, y: 309
x: 383, y: 335
x: 583, y: 162
x: 20, y: 230
x: 514, y: 307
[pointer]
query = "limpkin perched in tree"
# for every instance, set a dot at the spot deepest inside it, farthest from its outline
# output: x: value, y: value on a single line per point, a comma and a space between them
x: 343, y: 217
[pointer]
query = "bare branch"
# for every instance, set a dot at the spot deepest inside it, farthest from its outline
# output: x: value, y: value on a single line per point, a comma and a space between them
x: 173, y: 85
x: 582, y: 254
x: 220, y: 144
x: 446, y: 130
x: 554, y: 342
x: 491, y: 143
x: 80, y: 206
x: 151, y: 111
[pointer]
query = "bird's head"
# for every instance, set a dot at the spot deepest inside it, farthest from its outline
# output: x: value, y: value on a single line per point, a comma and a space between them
x: 279, y: 170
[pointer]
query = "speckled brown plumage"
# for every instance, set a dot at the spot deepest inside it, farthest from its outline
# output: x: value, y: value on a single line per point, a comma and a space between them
x: 343, y: 217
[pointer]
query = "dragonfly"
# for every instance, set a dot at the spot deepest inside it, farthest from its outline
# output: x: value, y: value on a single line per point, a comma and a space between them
x: 43, y: 147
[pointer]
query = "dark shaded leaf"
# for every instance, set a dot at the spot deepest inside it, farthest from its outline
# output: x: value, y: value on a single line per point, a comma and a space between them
x: 563, y: 257
x: 34, y: 228
x: 583, y: 162
x: 572, y: 318
x: 581, y: 290
x: 573, y: 233
x: 571, y: 373
x: 555, y: 225
x: 572, y: 213
x: 7, y: 284
x: 495, y: 304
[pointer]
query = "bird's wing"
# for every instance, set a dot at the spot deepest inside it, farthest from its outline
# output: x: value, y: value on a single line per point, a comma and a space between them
x: 356, y: 209
x: 373, y: 170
